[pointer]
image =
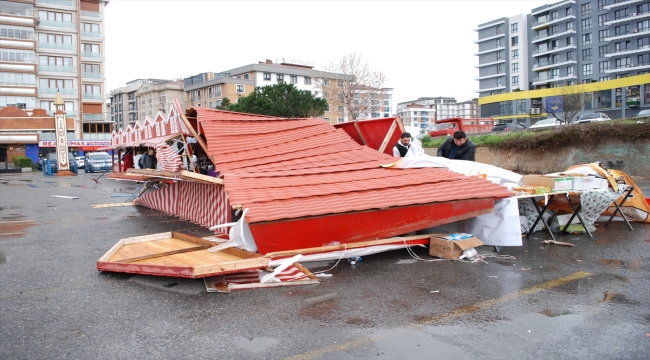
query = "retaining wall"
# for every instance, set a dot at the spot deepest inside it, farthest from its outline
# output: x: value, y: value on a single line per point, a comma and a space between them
x: 632, y: 158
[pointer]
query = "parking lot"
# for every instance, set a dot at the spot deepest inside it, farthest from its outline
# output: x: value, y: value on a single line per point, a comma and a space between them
x: 530, y: 302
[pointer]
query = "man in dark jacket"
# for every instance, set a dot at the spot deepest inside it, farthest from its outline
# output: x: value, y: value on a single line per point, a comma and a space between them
x: 458, y: 147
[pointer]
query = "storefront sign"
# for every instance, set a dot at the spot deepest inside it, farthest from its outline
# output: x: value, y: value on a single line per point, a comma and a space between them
x: 76, y: 143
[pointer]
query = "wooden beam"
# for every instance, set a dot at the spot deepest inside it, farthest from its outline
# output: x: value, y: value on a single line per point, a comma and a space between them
x: 329, y: 248
x: 152, y: 172
x: 190, y: 239
x: 199, y: 140
x: 363, y: 139
x: 304, y: 270
x: 199, y: 177
x: 389, y: 134
x: 166, y: 253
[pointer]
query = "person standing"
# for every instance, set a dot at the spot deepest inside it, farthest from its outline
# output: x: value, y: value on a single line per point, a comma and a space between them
x: 136, y: 159
x: 404, y: 148
x: 149, y: 159
x: 458, y: 147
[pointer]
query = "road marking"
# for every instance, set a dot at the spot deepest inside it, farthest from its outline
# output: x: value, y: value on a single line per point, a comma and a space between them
x: 97, y: 206
x: 323, y: 352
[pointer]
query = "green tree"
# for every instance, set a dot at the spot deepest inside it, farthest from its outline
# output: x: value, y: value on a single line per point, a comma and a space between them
x: 283, y: 100
x: 225, y: 104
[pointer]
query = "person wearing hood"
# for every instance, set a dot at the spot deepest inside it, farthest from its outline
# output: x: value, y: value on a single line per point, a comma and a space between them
x: 404, y: 148
x: 458, y: 147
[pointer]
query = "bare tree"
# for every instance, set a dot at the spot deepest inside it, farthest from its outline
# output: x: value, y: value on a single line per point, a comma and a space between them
x: 351, y: 85
x: 567, y: 102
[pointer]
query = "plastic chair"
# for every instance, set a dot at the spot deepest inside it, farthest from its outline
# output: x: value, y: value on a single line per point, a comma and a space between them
x: 240, y: 236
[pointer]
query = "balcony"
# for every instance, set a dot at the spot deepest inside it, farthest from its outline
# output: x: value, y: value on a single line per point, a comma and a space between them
x: 91, y: 35
x: 53, y: 91
x: 631, y: 17
x: 542, y: 37
x: 620, y: 3
x: 65, y: 3
x: 489, y: 38
x: 56, y: 24
x: 68, y: 113
x: 545, y: 79
x: 546, y: 51
x: 502, y: 87
x: 545, y: 65
x: 91, y: 55
x: 57, y: 69
x: 645, y: 65
x: 628, y: 51
x: 628, y: 34
x: 552, y: 7
x: 485, y: 64
x: 490, y: 50
x: 490, y: 76
x: 22, y: 12
x: 86, y: 75
x: 546, y: 22
x: 93, y: 117
x: 55, y: 46
x: 92, y: 96
x: 91, y: 14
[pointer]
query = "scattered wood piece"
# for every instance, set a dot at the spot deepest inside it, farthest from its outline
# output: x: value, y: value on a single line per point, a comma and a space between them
x: 166, y: 253
x: 97, y: 206
x: 547, y: 242
x: 65, y: 197
x: 188, y: 175
x: 526, y: 269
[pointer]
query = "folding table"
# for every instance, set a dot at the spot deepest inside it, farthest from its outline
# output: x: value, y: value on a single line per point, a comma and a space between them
x: 627, y: 193
x: 549, y: 199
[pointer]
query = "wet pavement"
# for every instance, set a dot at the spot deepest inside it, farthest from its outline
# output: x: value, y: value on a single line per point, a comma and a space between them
x: 535, y: 301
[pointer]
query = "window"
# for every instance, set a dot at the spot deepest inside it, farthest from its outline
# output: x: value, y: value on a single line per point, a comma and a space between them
x: 199, y: 96
x: 89, y: 27
x: 293, y: 79
x: 93, y: 48
x: 90, y: 68
x: 586, y: 54
x: 328, y: 119
x: 340, y: 108
x: 499, y: 68
x: 7, y: 78
x: 554, y: 29
x: 11, y: 55
x: 569, y: 41
x: 587, y: 69
x: 515, y: 81
x: 603, y: 34
x: 20, y: 102
x: 585, y: 24
x: 326, y: 82
x: 604, y: 78
x: 622, y: 30
x: 513, y: 28
x: 569, y: 55
x: 555, y: 73
x: 55, y: 83
x: 643, y: 60
x: 622, y: 46
x: 210, y: 93
x: 515, y: 54
x: 267, y: 76
x: 555, y: 44
x: 340, y: 120
x: 554, y: 15
x: 642, y: 25
x: 498, y: 29
x: 569, y: 70
x: 307, y: 80
x: 498, y: 41
x: 601, y: 4
x: 585, y: 9
x: 217, y: 91
x: 622, y: 63
x: 92, y: 89
x: 499, y: 81
x: 569, y: 11
x: 602, y: 51
x: 514, y: 41
x: 603, y: 66
x: 569, y: 25
x: 327, y: 107
x: 54, y: 16
x: 602, y: 19
x: 247, y: 76
x: 16, y: 32
x: 279, y: 77
x: 240, y: 88
x: 54, y: 38
x: 515, y: 67
x: 339, y: 83
x: 498, y: 55
x: 620, y: 14
x: 642, y: 9
x: 556, y: 58
x: 586, y: 38
x: 54, y: 60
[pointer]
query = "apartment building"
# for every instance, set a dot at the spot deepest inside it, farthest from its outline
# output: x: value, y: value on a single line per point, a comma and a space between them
x: 428, y: 110
x: 50, y: 46
x: 568, y: 43
x: 141, y: 98
x: 209, y: 89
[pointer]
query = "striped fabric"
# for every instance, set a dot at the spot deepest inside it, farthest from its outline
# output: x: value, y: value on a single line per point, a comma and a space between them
x: 203, y: 204
x: 291, y: 273
x: 167, y: 158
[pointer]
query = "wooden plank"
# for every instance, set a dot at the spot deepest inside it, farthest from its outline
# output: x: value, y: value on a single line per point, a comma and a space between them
x: 348, y: 246
x: 305, y: 271
x: 191, y: 239
x: 98, y: 206
x: 166, y: 253
x: 356, y: 126
x: 147, y: 248
x: 188, y: 175
x: 152, y: 172
x: 274, y: 284
x: 150, y: 237
x: 199, y: 140
x: 243, y: 264
x: 112, y: 251
x: 389, y: 134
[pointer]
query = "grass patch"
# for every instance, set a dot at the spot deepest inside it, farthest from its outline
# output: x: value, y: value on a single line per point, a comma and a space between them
x: 626, y: 130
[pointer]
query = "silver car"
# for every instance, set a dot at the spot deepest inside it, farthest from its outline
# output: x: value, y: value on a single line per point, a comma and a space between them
x: 587, y: 118
x: 98, y: 161
x: 643, y: 114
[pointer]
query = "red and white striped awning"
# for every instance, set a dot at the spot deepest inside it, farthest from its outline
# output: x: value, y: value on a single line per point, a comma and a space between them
x: 152, y: 142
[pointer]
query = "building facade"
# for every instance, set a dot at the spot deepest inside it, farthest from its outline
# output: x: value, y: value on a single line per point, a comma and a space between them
x: 567, y: 43
x: 426, y: 111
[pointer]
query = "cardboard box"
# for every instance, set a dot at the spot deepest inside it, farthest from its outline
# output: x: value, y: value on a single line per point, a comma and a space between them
x: 531, y: 190
x: 451, y: 249
x: 556, y: 183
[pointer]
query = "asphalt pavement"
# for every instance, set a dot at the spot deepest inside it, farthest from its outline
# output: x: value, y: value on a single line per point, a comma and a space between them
x: 531, y: 302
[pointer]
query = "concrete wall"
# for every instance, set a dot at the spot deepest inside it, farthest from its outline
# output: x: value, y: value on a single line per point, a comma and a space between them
x: 632, y: 158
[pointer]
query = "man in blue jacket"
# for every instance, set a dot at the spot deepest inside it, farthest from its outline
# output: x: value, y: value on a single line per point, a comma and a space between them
x: 458, y: 147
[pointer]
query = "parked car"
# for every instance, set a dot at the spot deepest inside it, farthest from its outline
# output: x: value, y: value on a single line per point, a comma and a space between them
x: 508, y: 127
x: 642, y: 114
x: 546, y: 123
x: 54, y: 163
x: 80, y: 161
x: 98, y: 161
x: 587, y: 118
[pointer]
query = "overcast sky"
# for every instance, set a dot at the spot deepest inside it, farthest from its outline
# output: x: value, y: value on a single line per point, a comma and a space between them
x: 425, y: 48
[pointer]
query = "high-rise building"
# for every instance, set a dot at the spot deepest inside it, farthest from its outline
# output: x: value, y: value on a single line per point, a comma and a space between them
x: 428, y: 110
x: 141, y: 98
x: 50, y: 46
x: 560, y: 45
